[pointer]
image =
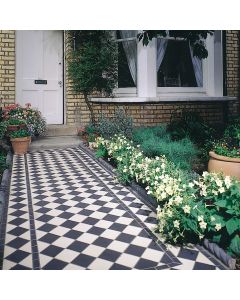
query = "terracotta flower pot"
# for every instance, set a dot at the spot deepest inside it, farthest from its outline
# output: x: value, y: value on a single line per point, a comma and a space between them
x: 20, y: 145
x: 226, y: 165
x: 12, y: 128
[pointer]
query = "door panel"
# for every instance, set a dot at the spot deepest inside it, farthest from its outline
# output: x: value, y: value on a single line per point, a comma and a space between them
x: 39, y: 56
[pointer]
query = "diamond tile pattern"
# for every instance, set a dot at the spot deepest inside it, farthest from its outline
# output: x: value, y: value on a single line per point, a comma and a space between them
x: 82, y: 219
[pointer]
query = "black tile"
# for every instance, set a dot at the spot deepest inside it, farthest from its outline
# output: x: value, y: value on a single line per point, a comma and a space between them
x: 110, y: 218
x: 52, y: 251
x: 78, y: 246
x: 124, y: 237
x: 43, y: 210
x: 135, y: 250
x: 17, y: 256
x: 119, y: 267
x: 83, y: 260
x: 66, y: 215
x: 45, y: 218
x: 47, y: 227
x: 17, y: 213
x: 103, y: 242
x: 145, y: 264
x: 117, y: 227
x: 110, y: 255
x: 166, y: 259
x: 73, y: 234
x: 188, y: 254
x: 96, y: 230
x: 69, y: 224
x: 20, y: 267
x: 90, y: 221
x: 49, y: 238
x: 17, y: 231
x: 202, y: 266
x: 17, y: 221
x: 18, y: 206
x: 17, y: 243
x: 105, y: 210
x: 87, y: 212
x: 55, y: 264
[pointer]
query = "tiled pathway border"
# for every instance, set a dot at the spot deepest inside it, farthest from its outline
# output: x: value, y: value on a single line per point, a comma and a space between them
x: 91, y: 166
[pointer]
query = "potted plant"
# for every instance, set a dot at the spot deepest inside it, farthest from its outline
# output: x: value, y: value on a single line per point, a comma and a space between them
x: 225, y: 156
x: 20, y: 140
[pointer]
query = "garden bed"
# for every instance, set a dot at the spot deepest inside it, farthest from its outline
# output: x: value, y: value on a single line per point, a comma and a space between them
x: 5, y: 182
x: 141, y: 193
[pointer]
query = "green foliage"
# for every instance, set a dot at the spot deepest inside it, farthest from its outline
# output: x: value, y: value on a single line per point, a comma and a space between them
x: 20, y: 133
x: 229, y: 145
x: 3, y: 164
x: 120, y: 123
x: 3, y: 129
x: 13, y: 121
x: 189, y: 209
x: 156, y: 141
x: 93, y: 65
x: 194, y: 37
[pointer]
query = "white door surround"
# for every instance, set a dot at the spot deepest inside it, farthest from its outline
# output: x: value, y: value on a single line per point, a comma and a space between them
x: 39, y: 72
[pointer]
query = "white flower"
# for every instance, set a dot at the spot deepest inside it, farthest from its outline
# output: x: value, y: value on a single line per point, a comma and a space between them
x: 169, y: 213
x: 203, y: 225
x: 200, y: 218
x: 176, y: 224
x: 212, y: 219
x: 163, y: 195
x: 157, y: 169
x: 227, y: 182
x: 219, y: 182
x: 186, y: 209
x: 169, y: 190
x: 218, y: 226
x: 178, y: 200
x: 221, y: 190
x: 191, y: 185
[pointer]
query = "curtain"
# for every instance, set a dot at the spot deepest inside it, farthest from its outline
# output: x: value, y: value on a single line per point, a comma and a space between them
x: 130, y: 49
x: 197, y: 67
x: 161, y: 50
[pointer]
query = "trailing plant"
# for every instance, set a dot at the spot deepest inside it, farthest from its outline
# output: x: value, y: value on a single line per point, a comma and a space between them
x: 93, y: 64
x: 20, y: 133
x: 189, y: 208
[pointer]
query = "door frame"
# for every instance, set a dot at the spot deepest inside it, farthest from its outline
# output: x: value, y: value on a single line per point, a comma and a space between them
x: 64, y: 108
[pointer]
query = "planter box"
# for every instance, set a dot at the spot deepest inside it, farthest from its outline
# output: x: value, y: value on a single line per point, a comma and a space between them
x: 20, y: 145
x: 226, y: 165
x: 12, y: 128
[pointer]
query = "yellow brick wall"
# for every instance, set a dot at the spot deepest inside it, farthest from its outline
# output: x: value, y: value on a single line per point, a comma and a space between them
x: 7, y: 66
x: 152, y: 114
x: 77, y: 113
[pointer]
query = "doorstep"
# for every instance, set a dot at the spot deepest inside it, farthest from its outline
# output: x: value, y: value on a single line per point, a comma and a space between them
x: 54, y: 142
x: 61, y: 130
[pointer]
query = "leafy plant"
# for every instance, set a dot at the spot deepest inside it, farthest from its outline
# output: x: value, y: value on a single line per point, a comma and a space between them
x: 13, y: 121
x: 120, y: 123
x: 20, y: 133
x: 93, y: 64
x: 194, y: 37
x: 189, y: 208
x: 156, y: 141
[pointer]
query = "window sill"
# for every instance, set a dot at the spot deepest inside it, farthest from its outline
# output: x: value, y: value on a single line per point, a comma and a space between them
x: 162, y: 99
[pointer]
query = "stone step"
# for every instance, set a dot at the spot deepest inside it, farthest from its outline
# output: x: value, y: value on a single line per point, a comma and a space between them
x: 56, y: 142
x: 61, y: 130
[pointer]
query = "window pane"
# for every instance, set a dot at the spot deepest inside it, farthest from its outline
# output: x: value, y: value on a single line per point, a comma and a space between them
x: 127, y: 62
x: 176, y: 65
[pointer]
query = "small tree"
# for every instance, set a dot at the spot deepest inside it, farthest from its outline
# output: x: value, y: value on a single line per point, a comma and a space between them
x: 93, y: 64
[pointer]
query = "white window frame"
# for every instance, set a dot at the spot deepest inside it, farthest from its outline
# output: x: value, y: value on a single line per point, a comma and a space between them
x: 147, y: 73
x: 127, y: 91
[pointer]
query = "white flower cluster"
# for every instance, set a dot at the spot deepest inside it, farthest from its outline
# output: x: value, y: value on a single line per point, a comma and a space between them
x: 176, y: 195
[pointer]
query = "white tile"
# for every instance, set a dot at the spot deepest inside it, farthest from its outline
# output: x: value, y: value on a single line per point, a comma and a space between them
x: 152, y: 255
x: 127, y: 260
x: 110, y: 234
x: 141, y: 241
x: 100, y: 264
x: 62, y: 242
x: 93, y: 250
x: 67, y: 255
x: 118, y: 246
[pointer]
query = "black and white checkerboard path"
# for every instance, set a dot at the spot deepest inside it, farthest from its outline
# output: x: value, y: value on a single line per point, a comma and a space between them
x: 66, y: 212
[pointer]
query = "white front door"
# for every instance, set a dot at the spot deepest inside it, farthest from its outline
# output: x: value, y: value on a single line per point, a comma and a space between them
x: 39, y: 72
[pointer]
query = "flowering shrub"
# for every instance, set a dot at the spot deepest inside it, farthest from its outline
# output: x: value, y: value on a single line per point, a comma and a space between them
x: 33, y: 118
x: 189, y: 209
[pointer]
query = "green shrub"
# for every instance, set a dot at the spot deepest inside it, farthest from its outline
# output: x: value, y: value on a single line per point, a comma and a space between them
x: 156, y: 141
x: 120, y: 123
